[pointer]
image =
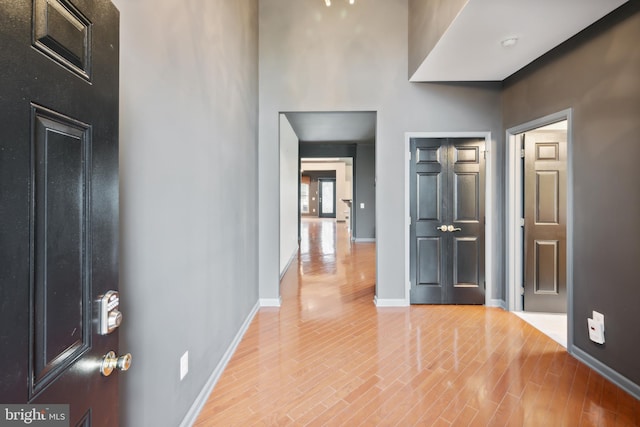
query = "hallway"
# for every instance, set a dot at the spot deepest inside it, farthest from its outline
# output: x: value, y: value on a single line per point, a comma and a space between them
x: 328, y: 356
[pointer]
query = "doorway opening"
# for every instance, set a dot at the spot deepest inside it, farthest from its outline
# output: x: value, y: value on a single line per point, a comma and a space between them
x: 539, y: 225
x: 327, y: 169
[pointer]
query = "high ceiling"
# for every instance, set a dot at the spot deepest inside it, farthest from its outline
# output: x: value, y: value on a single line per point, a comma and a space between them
x: 471, y: 48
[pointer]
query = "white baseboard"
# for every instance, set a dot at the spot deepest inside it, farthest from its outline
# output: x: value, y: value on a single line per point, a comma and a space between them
x: 497, y: 303
x: 364, y: 239
x: 379, y: 302
x: 291, y: 258
x: 201, y: 400
x: 620, y: 380
x: 270, y: 302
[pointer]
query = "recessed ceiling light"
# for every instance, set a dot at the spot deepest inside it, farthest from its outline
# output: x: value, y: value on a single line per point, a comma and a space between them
x: 509, y: 42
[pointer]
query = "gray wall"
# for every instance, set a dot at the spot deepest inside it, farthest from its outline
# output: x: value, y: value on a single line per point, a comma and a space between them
x: 428, y: 21
x: 189, y: 117
x: 598, y: 75
x: 354, y: 58
x: 365, y: 192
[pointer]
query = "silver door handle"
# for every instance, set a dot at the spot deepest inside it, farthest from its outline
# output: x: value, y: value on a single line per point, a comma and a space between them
x: 442, y: 228
x: 451, y: 228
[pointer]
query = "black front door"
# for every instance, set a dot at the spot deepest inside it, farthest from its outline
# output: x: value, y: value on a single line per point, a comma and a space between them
x: 327, y: 197
x: 447, y: 221
x: 58, y: 204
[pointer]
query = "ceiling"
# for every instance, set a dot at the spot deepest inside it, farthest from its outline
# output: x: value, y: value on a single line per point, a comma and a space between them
x: 471, y: 49
x: 334, y: 127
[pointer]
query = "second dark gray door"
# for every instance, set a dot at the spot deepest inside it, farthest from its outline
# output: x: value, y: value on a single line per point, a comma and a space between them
x: 545, y: 284
x: 447, y: 221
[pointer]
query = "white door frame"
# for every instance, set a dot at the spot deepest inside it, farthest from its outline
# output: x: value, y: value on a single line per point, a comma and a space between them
x: 514, y: 195
x: 488, y: 205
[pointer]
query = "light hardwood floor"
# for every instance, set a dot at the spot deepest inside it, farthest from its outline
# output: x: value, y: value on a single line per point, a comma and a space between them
x: 329, y: 357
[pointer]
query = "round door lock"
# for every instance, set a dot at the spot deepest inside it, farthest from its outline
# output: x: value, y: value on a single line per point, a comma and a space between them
x: 110, y: 362
x: 114, y: 320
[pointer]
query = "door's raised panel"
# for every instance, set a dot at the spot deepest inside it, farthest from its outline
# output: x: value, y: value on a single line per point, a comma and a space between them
x: 548, y: 151
x: 62, y: 33
x: 467, y: 155
x: 547, y: 201
x: 60, y: 272
x: 546, y: 260
x: 428, y: 260
x: 428, y: 155
x: 466, y: 205
x: 466, y: 261
x: 428, y: 194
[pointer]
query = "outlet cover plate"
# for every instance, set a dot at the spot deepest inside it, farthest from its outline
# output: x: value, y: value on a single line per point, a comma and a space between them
x: 184, y: 365
x: 598, y: 317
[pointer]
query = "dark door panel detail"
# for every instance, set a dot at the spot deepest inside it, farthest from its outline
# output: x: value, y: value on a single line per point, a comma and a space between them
x: 59, y: 247
x: 466, y: 259
x: 63, y: 34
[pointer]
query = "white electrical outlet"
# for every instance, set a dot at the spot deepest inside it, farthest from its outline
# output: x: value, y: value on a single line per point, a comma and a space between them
x: 361, y: 205
x: 598, y: 317
x: 596, y: 331
x: 184, y: 365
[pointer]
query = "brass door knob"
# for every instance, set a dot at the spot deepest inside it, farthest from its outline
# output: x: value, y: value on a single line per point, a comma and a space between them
x: 110, y: 362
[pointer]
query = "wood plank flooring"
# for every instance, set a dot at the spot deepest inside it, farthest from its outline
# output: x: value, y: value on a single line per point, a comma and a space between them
x: 329, y: 357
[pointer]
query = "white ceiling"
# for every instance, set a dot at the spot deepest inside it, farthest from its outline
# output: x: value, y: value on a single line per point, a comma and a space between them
x: 351, y: 126
x: 471, y: 50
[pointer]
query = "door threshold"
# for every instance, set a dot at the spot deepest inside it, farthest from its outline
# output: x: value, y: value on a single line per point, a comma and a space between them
x: 553, y: 325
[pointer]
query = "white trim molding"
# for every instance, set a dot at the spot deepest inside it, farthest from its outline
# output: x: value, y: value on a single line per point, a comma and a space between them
x: 201, y: 400
x: 379, y: 302
x: 364, y: 240
x: 497, y: 303
x: 489, y: 203
x: 270, y: 302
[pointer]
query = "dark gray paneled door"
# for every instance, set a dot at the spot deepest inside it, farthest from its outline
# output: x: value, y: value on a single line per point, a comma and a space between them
x: 545, y: 183
x: 58, y: 203
x: 447, y: 221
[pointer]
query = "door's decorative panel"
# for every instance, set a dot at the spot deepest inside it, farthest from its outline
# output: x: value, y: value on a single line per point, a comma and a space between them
x: 429, y: 196
x: 85, y: 421
x: 466, y: 204
x: 546, y: 259
x: 547, y: 204
x: 466, y: 262
x: 467, y: 154
x: 59, y: 265
x: 62, y: 33
x: 428, y: 155
x: 428, y: 260
x: 547, y: 151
